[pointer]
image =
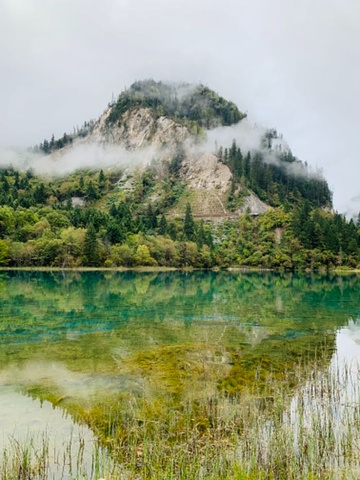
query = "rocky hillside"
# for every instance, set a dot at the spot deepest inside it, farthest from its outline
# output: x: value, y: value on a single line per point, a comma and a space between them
x: 167, y: 126
x: 139, y: 128
x: 171, y: 176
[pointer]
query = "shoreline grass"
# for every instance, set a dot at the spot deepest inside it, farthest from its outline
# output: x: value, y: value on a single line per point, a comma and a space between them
x: 309, y: 432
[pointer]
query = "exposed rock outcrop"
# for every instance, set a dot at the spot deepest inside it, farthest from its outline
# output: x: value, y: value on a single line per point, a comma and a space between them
x: 205, y: 172
x: 138, y: 129
x: 253, y: 205
x: 208, y: 180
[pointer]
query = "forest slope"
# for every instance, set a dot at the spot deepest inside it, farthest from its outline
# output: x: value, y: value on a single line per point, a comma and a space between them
x: 163, y: 194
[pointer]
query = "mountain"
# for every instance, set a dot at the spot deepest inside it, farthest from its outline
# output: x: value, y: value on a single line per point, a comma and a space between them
x: 165, y: 124
x: 173, y: 175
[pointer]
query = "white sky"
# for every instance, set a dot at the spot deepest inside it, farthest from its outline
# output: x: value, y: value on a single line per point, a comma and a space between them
x: 291, y: 64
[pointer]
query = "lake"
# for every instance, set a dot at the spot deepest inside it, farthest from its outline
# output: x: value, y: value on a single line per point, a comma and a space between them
x: 77, y: 347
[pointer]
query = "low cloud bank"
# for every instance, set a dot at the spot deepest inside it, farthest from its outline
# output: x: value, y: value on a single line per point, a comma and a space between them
x: 79, y: 156
x: 83, y: 154
x: 250, y: 138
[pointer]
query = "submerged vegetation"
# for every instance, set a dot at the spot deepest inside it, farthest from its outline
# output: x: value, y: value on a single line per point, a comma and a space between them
x: 186, y: 375
x: 181, y: 375
x: 36, y: 459
x: 311, y: 431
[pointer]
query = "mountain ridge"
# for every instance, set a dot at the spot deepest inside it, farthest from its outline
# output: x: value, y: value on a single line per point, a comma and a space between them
x: 146, y: 189
x: 138, y: 120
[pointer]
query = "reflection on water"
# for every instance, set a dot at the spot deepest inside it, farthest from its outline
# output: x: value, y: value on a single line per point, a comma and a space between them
x: 83, y: 340
x: 348, y: 345
x: 326, y: 407
x: 25, y: 421
x: 345, y: 364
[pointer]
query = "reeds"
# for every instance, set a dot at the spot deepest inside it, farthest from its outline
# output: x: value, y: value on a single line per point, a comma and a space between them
x: 311, y: 432
x: 35, y: 459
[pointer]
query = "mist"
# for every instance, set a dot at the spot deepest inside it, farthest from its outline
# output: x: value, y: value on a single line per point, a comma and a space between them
x: 352, y: 208
x: 295, y: 66
x: 68, y: 383
x: 84, y: 154
x: 249, y: 136
x: 80, y: 155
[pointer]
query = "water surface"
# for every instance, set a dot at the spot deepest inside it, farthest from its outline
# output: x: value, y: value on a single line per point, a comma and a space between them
x: 78, y: 340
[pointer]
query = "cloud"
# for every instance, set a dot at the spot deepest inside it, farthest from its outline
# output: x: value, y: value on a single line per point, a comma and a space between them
x: 80, y: 155
x: 249, y: 137
x: 295, y: 66
x: 351, y: 208
x: 83, y: 154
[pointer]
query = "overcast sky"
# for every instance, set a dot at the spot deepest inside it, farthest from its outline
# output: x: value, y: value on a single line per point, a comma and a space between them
x: 291, y: 64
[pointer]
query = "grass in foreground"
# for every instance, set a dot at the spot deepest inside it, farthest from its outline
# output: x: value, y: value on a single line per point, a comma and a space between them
x: 310, y: 433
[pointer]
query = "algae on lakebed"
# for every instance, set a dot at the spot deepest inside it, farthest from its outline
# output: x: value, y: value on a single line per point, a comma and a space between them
x: 161, y: 382
x: 127, y: 352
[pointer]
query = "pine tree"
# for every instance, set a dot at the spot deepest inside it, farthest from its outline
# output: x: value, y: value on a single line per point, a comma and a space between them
x: 46, y: 147
x: 91, y: 251
x: 91, y: 193
x: 113, y: 210
x: 176, y: 162
x: 238, y: 168
x: 40, y: 194
x: 81, y: 184
x: 52, y: 142
x: 150, y: 219
x: 69, y: 202
x: 17, y: 180
x: 5, y: 184
x: 114, y: 232
x: 172, y: 231
x: 200, y: 237
x: 189, y: 224
x: 247, y: 162
x: 101, y: 179
x: 163, y: 225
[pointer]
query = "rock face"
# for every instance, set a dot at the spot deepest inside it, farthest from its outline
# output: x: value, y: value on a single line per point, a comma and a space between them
x: 208, y: 180
x: 205, y: 172
x: 138, y: 129
x: 208, y: 183
x: 253, y: 205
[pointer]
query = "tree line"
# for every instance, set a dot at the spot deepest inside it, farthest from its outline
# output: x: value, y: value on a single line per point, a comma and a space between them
x: 279, y: 180
x: 85, y: 219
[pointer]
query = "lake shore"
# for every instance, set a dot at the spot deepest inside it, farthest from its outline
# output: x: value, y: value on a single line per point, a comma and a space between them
x: 184, y: 372
x: 235, y: 269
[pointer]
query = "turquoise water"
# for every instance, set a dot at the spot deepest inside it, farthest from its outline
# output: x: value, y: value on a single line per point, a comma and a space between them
x: 74, y: 338
x: 53, y: 307
x: 44, y: 316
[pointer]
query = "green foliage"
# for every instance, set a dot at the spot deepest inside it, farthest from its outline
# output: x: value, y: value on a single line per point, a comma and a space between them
x: 107, y: 226
x: 91, y: 248
x: 176, y: 162
x: 191, y: 103
x: 143, y: 257
x: 4, y: 253
x: 163, y: 226
x: 278, y: 180
x: 51, y: 146
x: 189, y: 224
